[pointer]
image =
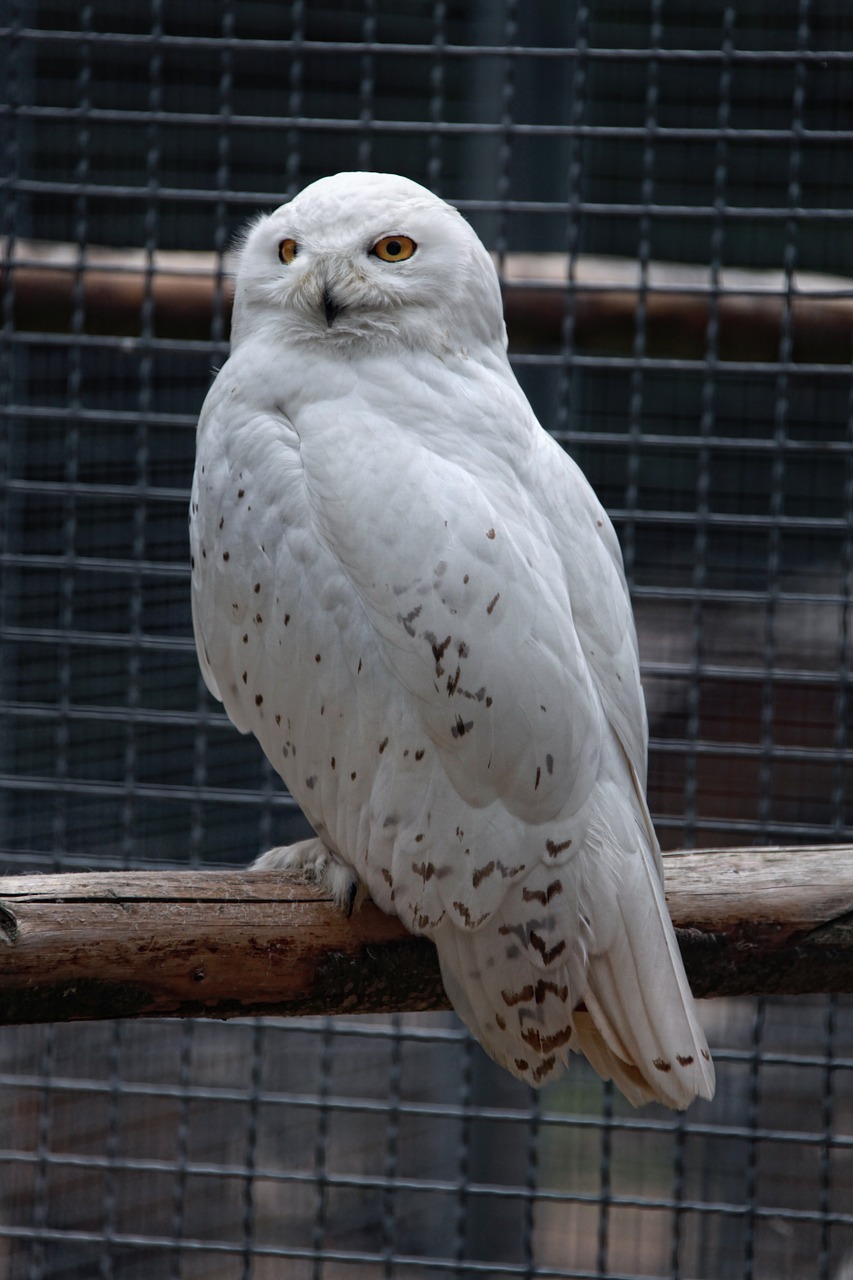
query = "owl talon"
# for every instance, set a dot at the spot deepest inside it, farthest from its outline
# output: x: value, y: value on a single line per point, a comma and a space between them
x: 310, y: 862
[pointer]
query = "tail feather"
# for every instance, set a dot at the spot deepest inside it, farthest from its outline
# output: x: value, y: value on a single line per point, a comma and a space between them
x: 637, y: 993
x: 609, y: 1064
x: 656, y: 1033
x: 617, y: 993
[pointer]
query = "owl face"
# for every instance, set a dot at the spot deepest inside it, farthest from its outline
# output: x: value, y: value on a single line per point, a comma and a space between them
x: 368, y: 261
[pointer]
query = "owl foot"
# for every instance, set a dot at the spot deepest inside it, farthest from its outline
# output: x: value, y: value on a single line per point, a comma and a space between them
x: 310, y: 862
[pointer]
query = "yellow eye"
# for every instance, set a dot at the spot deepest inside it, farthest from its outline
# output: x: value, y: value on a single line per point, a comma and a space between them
x: 287, y: 251
x: 394, y: 248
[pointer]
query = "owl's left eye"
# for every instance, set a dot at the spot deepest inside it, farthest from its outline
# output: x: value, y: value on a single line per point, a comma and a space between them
x: 394, y: 248
x: 287, y: 251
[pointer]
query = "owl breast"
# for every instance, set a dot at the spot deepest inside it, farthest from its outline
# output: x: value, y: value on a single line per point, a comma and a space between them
x: 283, y: 642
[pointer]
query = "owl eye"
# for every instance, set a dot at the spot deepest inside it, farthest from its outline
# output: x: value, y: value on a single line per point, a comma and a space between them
x: 394, y: 248
x: 287, y: 251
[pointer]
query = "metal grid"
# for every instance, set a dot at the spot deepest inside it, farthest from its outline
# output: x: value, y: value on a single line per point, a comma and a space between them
x: 710, y: 134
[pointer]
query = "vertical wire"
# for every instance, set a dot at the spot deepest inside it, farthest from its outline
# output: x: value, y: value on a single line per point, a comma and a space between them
x: 780, y: 434
x: 842, y: 697
x: 321, y: 1202
x: 109, y: 1203
x: 604, y: 1181
x: 644, y: 251
x: 223, y: 168
x: 392, y: 1150
x: 9, y: 180
x: 463, y: 1157
x: 678, y: 1198
x: 112, y: 1138
x: 250, y: 1160
x: 66, y: 613
x: 706, y: 432
x: 827, y: 1120
x: 531, y: 1182
x: 9, y: 177
x: 145, y: 400
x: 574, y: 217
x: 366, y: 88
x: 202, y: 719
x: 436, y: 96
x: 293, y: 166
x: 182, y: 1143
x: 135, y: 623
x: 71, y: 464
x: 750, y: 1203
x: 504, y: 184
x: 38, y: 1248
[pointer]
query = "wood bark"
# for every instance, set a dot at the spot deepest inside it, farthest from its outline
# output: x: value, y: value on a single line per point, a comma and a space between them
x: 228, y: 944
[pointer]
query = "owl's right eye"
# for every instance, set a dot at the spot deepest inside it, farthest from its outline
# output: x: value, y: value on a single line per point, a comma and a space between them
x: 287, y: 251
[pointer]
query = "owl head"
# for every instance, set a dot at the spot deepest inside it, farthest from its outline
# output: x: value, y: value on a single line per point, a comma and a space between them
x: 362, y: 261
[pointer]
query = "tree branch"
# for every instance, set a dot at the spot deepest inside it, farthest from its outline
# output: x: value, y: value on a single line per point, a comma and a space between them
x: 49, y: 280
x: 231, y: 944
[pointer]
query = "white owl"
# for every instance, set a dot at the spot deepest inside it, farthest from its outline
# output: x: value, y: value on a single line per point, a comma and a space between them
x: 412, y: 597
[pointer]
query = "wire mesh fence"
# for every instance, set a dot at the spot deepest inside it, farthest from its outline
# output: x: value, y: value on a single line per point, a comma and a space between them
x: 668, y: 191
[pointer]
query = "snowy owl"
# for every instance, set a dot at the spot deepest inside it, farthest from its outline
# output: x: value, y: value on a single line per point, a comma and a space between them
x: 411, y: 596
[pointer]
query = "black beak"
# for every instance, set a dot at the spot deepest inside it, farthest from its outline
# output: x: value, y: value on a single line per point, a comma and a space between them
x: 331, y: 309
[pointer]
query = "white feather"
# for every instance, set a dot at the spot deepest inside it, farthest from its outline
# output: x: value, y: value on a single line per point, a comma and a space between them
x: 412, y: 597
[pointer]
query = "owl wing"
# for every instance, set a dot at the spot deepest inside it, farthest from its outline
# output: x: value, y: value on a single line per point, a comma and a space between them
x: 457, y: 572
x: 520, y: 608
x: 639, y: 1023
x: 601, y: 605
x: 204, y: 607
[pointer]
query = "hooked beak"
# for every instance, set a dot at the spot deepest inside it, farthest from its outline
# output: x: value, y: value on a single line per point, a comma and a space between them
x: 331, y: 309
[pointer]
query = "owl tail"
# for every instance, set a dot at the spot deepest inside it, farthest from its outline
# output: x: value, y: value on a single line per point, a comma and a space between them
x: 620, y: 997
x: 649, y: 1043
x: 637, y: 1024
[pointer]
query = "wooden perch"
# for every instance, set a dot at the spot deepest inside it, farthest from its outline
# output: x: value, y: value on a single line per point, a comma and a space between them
x: 110, y: 288
x: 225, y: 944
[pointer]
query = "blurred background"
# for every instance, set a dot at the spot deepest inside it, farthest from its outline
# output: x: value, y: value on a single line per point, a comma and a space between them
x: 668, y: 193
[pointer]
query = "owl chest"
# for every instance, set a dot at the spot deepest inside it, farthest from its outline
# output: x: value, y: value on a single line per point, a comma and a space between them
x: 285, y: 635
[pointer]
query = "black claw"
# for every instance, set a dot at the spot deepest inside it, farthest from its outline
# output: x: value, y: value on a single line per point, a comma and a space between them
x: 353, y: 894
